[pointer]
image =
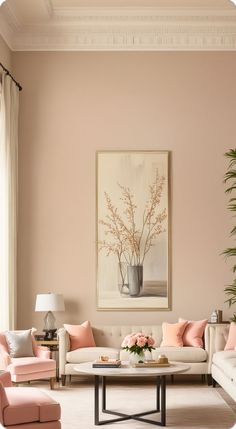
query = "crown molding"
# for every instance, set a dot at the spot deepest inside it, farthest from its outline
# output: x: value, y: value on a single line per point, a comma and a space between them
x: 122, y: 29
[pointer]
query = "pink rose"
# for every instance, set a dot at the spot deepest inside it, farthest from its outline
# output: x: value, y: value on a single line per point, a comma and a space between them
x: 125, y: 341
x: 131, y: 341
x: 137, y: 339
x: 151, y: 341
x: 141, y: 341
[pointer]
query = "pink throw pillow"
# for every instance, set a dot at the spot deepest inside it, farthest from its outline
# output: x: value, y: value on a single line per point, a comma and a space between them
x: 80, y: 335
x: 172, y: 334
x: 231, y: 341
x: 193, y: 334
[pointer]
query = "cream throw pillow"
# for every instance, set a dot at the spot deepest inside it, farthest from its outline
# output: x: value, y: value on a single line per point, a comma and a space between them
x: 19, y: 343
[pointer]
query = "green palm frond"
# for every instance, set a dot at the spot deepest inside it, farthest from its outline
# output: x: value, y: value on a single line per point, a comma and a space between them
x: 231, y: 251
x: 231, y: 174
x: 233, y: 319
x: 230, y: 291
x: 231, y: 154
x: 231, y: 188
x: 232, y: 207
x: 231, y: 300
x: 233, y: 231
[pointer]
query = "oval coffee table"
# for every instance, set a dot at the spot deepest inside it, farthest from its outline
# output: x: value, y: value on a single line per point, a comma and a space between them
x: 126, y: 371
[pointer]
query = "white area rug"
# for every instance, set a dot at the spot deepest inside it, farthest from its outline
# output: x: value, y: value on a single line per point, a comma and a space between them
x: 188, y: 406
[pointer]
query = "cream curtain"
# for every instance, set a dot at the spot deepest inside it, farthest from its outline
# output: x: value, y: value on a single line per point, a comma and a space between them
x: 9, y: 106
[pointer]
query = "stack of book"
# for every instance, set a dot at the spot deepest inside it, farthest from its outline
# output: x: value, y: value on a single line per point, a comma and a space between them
x: 110, y: 363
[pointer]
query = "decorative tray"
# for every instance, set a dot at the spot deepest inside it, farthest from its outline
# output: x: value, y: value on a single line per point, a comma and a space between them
x: 152, y: 364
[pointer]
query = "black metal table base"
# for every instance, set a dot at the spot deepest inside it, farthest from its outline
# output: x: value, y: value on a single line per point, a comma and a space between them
x: 160, y: 405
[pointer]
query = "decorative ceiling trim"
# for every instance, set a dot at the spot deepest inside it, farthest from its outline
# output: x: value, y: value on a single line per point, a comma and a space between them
x: 156, y: 39
x: 123, y: 29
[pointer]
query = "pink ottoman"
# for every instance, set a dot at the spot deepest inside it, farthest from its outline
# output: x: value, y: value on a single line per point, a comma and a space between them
x: 27, y: 407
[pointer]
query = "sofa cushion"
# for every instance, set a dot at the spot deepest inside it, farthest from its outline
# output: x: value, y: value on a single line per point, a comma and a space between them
x: 173, y: 333
x: 31, y: 405
x: 3, y: 398
x: 29, y: 365
x: 231, y: 340
x: 193, y: 333
x: 80, y: 335
x: 89, y: 354
x: 19, y: 343
x: 3, y: 343
x: 226, y: 361
x: 181, y: 354
x: 233, y: 376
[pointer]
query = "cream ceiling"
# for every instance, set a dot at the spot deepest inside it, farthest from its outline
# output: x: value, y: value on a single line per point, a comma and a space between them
x: 118, y: 24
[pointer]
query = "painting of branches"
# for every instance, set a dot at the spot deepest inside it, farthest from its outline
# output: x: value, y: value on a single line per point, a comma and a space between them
x: 132, y: 230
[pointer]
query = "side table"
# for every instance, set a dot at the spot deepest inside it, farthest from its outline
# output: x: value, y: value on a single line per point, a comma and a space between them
x: 53, y: 346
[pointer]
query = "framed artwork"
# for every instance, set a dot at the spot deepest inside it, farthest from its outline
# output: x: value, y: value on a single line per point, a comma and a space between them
x: 133, y: 230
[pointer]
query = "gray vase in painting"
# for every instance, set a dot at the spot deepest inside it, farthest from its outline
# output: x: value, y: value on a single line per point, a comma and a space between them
x: 135, y: 279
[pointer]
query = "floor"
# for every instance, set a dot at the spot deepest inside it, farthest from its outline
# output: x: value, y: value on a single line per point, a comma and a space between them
x: 205, y: 407
x: 179, y: 380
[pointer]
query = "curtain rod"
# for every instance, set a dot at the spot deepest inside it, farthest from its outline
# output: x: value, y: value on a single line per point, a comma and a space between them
x: 9, y: 74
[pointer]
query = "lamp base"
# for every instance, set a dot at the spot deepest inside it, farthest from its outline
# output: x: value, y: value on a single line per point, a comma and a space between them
x: 49, y: 326
x: 49, y: 321
x: 50, y: 334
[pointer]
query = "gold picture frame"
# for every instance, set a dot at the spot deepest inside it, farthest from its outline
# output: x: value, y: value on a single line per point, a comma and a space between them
x: 133, y: 230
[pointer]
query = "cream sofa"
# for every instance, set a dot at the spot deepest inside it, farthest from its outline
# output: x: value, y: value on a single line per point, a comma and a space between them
x: 108, y: 341
x: 223, y: 361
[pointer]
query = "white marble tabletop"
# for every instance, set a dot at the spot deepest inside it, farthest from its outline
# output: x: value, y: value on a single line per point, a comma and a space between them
x: 127, y: 370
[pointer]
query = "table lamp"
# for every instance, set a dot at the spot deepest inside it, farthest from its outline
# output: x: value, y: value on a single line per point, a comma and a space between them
x: 49, y: 302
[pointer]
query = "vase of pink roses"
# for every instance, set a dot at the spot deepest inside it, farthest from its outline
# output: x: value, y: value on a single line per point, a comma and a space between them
x: 136, y: 344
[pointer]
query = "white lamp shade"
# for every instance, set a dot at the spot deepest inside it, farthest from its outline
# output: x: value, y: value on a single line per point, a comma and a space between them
x: 49, y: 302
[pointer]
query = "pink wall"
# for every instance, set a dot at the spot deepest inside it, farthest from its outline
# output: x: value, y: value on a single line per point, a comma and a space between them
x: 76, y: 103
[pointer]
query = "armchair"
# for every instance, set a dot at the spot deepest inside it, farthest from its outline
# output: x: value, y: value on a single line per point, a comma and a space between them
x: 36, y: 367
x: 26, y: 407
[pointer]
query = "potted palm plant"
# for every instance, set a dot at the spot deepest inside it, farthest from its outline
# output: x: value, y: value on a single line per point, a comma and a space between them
x: 230, y: 179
